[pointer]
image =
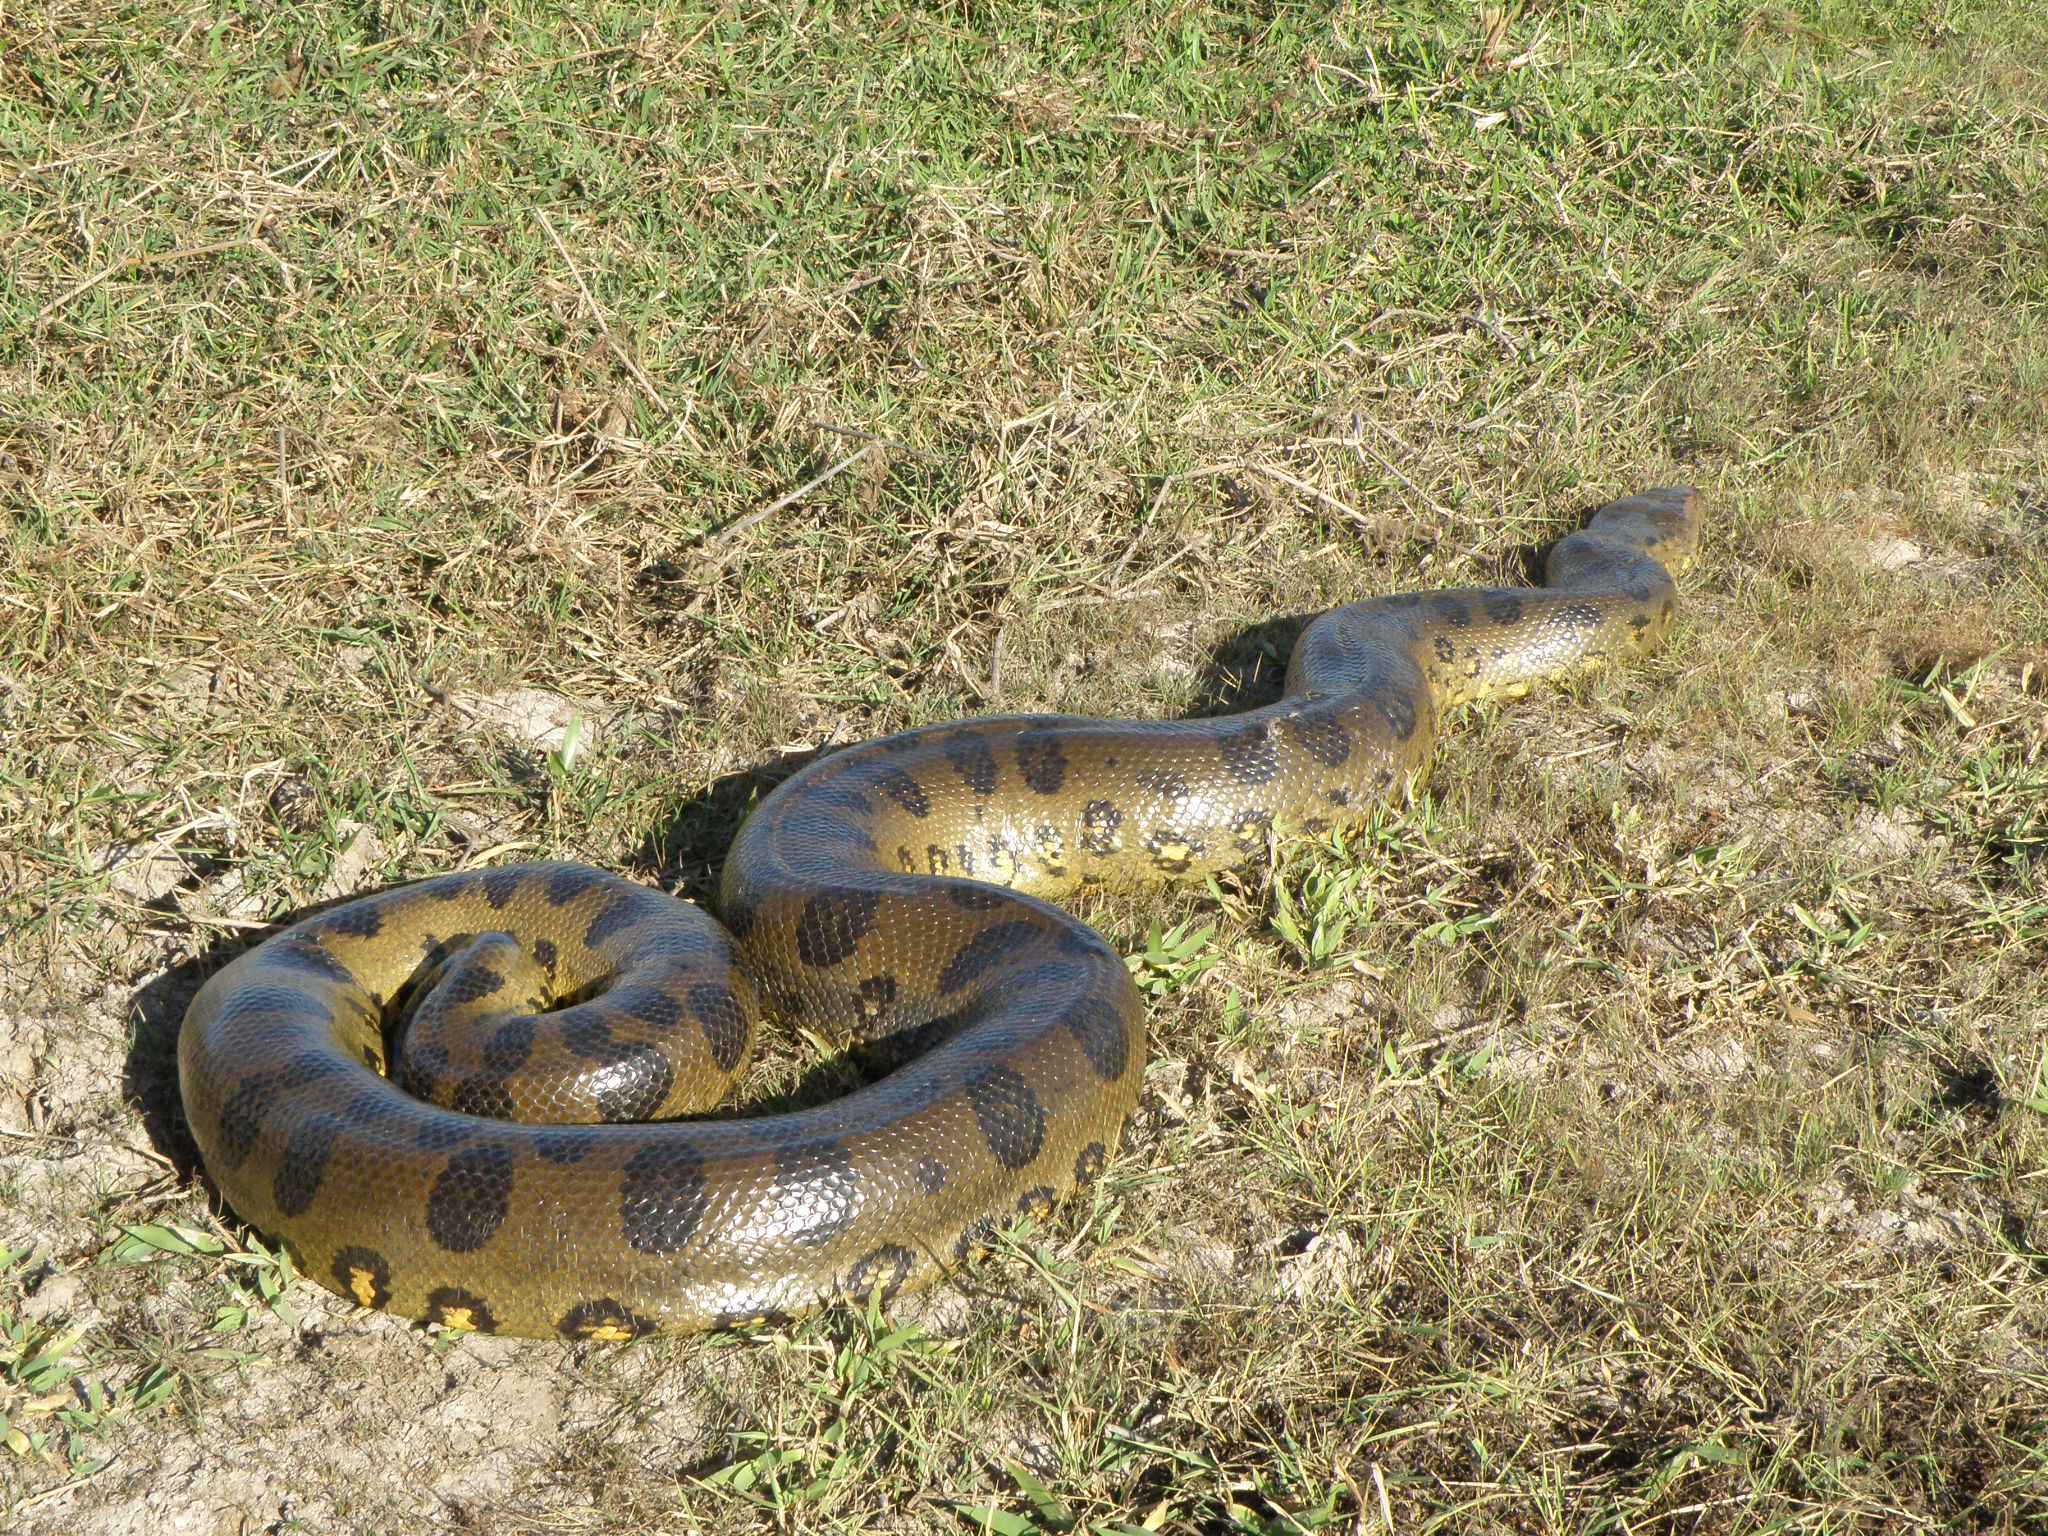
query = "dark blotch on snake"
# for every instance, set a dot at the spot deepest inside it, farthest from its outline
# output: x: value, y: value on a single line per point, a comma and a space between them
x: 563, y: 1147
x: 360, y: 1270
x: 1077, y: 938
x: 930, y: 1174
x: 1169, y: 854
x: 260, y: 1010
x: 974, y: 762
x: 718, y: 1014
x: 469, y: 983
x: 308, y: 958
x: 310, y: 1066
x: 1322, y: 736
x: 424, y: 1067
x: 1042, y: 761
x: 1251, y: 827
x: 978, y: 1237
x: 362, y: 921
x: 511, y: 1043
x: 1102, y: 1035
x: 844, y: 797
x: 1167, y: 786
x: 620, y: 911
x: 482, y: 1095
x: 752, y: 1317
x: 1089, y: 1165
x: 1397, y: 706
x: 586, y: 1032
x: 881, y: 1273
x: 652, y: 1007
x: 470, y: 1198
x: 1250, y: 755
x: 1449, y: 608
x: 375, y: 1107
x: 1503, y: 607
x: 452, y: 1307
x: 975, y: 898
x: 662, y: 1197
x: 985, y: 950
x: 440, y: 1133
x: 635, y: 1086
x: 739, y: 918
x: 908, y: 793
x: 844, y: 829
x: 603, y: 1318
x: 304, y: 1163
x: 1011, y: 1118
x: 874, y: 999
x: 832, y: 926
x: 500, y: 886
x: 1099, y: 821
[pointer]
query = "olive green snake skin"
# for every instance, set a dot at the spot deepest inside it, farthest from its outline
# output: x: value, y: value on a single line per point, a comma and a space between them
x: 895, y: 888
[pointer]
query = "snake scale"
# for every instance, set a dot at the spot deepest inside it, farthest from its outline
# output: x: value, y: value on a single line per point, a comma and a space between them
x: 894, y: 889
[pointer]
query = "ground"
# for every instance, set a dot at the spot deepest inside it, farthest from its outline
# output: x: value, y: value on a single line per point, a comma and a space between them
x: 433, y: 435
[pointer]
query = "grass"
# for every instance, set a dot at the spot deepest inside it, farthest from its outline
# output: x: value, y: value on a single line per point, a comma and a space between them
x: 1643, y: 1132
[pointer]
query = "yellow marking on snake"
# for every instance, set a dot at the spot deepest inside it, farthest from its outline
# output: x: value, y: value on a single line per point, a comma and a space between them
x: 522, y: 1170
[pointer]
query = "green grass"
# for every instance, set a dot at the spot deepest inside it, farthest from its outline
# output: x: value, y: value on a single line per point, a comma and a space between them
x: 1644, y: 1132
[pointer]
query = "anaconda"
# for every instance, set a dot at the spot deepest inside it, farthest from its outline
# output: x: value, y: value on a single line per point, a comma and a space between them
x: 521, y: 1171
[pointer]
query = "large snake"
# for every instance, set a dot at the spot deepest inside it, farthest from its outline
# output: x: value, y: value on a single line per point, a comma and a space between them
x: 894, y: 889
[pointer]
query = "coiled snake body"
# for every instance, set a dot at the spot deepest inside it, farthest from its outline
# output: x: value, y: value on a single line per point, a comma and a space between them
x: 893, y: 887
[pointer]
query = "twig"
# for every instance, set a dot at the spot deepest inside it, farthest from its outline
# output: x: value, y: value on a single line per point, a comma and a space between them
x: 1207, y: 471
x: 718, y: 544
x: 995, y: 664
x: 1210, y: 472
x: 867, y: 437
x: 1306, y: 489
x: 739, y: 525
x: 625, y: 358
x: 1387, y: 464
x: 46, y: 1494
x: 129, y: 263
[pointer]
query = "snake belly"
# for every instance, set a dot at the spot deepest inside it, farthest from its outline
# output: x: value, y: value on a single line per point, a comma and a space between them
x: 896, y: 890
